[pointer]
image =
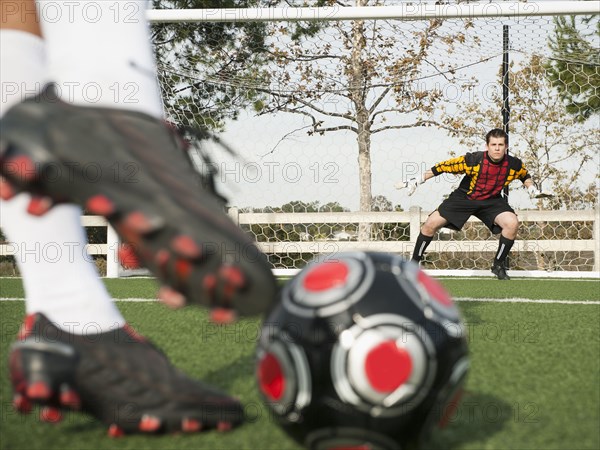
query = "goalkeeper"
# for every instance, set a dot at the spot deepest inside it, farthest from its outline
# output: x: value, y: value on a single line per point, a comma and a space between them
x: 479, y: 194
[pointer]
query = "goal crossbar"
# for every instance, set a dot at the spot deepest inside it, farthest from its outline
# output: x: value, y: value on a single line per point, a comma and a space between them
x: 404, y: 11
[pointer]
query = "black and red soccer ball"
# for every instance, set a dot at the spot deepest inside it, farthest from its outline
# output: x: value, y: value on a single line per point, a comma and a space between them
x: 364, y: 350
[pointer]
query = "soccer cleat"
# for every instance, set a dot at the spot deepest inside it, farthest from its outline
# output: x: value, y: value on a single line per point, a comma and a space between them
x: 118, y: 377
x: 500, y: 271
x: 132, y: 169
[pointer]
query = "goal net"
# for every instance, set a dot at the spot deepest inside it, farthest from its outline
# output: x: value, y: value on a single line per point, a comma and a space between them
x: 328, y: 108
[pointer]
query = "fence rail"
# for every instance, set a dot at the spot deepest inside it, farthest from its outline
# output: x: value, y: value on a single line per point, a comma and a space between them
x: 412, y: 219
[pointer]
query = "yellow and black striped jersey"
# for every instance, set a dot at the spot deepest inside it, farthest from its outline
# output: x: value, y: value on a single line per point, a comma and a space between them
x: 483, y: 177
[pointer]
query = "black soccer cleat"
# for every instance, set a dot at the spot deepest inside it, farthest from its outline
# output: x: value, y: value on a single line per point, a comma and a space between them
x: 500, y: 271
x: 132, y: 169
x: 118, y: 377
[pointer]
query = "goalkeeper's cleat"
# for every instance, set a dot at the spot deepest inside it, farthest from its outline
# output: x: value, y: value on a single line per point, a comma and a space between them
x: 118, y: 377
x: 132, y: 169
x: 500, y: 271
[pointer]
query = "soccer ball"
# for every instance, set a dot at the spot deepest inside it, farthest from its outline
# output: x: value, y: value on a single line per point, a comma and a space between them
x: 363, y: 350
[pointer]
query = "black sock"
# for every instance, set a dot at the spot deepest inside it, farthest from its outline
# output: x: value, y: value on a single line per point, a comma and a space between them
x: 420, y: 247
x: 504, y: 246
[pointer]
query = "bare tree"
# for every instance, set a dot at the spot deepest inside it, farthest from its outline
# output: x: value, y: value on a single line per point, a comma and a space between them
x: 364, y: 77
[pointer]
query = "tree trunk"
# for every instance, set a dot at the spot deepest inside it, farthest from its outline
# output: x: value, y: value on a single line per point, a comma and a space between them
x: 363, y: 124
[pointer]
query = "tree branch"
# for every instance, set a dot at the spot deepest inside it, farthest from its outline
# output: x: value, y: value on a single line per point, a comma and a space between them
x: 379, y: 99
x: 418, y: 123
x: 285, y: 136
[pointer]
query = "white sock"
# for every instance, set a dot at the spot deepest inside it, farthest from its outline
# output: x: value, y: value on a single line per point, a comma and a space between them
x: 59, y: 278
x: 99, y: 53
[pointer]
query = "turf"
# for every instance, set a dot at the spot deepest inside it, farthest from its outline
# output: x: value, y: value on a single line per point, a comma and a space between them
x: 533, y: 382
x: 553, y: 289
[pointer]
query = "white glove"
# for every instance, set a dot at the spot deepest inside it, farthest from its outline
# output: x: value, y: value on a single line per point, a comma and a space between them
x: 533, y: 191
x: 411, y: 185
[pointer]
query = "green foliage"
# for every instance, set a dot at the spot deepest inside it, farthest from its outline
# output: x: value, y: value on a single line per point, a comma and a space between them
x: 201, y: 64
x: 575, y: 67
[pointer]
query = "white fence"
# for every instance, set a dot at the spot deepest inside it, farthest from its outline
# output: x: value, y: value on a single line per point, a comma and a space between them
x: 414, y: 218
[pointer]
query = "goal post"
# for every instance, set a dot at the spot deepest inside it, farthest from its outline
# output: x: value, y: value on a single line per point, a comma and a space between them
x: 408, y: 11
x: 329, y: 107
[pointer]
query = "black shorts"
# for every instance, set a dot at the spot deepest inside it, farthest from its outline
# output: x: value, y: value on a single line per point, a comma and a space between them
x: 457, y: 208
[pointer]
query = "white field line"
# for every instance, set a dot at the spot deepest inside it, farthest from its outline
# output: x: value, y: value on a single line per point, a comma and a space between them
x: 458, y: 299
x: 527, y: 300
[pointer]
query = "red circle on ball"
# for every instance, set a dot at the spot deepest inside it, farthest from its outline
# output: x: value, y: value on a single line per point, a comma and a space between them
x: 388, y: 366
x: 270, y: 377
x: 326, y: 276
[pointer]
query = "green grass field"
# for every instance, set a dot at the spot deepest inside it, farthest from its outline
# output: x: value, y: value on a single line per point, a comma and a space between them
x: 533, y: 384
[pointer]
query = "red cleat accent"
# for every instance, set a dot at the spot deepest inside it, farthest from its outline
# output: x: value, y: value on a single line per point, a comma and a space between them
x: 223, y: 426
x: 38, y: 206
x: 186, y: 246
x: 22, y: 404
x: 100, y: 204
x: 50, y: 415
x: 222, y: 316
x: 149, y: 424
x: 183, y: 267
x: 140, y: 223
x: 127, y: 257
x: 114, y: 431
x: 6, y: 190
x: 233, y: 276
x: 70, y: 398
x: 171, y: 297
x: 190, y: 425
x: 26, y: 327
x: 39, y: 391
x: 134, y: 334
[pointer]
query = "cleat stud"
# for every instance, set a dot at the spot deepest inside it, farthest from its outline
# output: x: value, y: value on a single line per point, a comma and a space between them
x: 127, y: 257
x: 38, y: 206
x: 186, y: 246
x: 141, y: 223
x: 22, y: 404
x: 149, y: 424
x: 101, y: 205
x: 183, y: 268
x: 39, y: 391
x: 50, y: 415
x: 190, y: 425
x: 69, y: 398
x: 115, y: 431
x: 224, y: 426
x: 233, y: 276
x: 222, y: 316
x: 171, y: 297
x: 6, y: 190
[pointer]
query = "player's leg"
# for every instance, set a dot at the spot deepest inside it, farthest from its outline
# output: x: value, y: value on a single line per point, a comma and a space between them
x: 124, y: 163
x: 431, y: 226
x: 509, y: 223
x: 59, y: 278
x: 452, y: 213
x: 75, y: 350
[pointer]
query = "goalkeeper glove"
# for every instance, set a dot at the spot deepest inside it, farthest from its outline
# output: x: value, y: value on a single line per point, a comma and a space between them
x: 411, y: 185
x: 533, y: 191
